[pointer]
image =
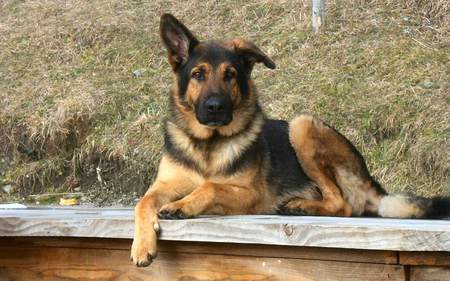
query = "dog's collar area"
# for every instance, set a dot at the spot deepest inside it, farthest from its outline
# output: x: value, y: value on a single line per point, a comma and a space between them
x: 253, y: 127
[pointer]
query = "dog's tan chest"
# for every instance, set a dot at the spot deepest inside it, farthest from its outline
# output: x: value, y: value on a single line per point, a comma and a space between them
x: 213, y: 158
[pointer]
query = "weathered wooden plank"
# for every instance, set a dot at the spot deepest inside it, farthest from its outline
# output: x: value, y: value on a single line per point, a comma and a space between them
x: 97, y: 264
x: 426, y: 273
x: 254, y: 250
x: 355, y: 233
x: 425, y: 258
x: 310, y: 253
x: 127, y: 214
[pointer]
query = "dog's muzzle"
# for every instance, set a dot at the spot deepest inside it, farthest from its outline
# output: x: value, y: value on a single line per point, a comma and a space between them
x: 215, y: 110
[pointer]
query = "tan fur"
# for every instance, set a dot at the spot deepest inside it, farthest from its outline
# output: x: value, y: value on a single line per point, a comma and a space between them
x: 228, y: 151
x: 188, y: 115
x: 400, y: 206
x: 173, y: 181
x: 193, y: 92
x: 214, y: 194
x: 313, y: 155
x: 195, y: 128
x: 233, y: 88
x: 217, y: 195
x: 183, y: 141
x: 373, y: 201
x: 241, y: 114
x: 353, y: 190
x: 223, y: 154
x: 328, y: 160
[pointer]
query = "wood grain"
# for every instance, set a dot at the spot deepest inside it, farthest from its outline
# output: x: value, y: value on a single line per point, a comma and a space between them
x: 423, y: 273
x: 328, y: 232
x: 97, y: 264
x: 312, y: 253
x: 425, y: 258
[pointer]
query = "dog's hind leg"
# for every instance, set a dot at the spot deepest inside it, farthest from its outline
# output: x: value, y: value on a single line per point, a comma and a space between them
x: 333, y: 163
x: 347, y: 187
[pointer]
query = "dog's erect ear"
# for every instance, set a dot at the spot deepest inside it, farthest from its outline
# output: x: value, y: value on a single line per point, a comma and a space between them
x: 178, y: 40
x: 251, y: 53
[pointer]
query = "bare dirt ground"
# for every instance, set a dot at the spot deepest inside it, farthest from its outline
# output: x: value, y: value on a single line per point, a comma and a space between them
x: 75, y: 120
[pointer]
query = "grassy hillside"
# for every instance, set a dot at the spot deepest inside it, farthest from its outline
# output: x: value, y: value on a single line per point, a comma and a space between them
x: 74, y: 118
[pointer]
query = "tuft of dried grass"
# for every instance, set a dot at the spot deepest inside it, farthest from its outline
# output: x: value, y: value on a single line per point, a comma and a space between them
x: 73, y: 115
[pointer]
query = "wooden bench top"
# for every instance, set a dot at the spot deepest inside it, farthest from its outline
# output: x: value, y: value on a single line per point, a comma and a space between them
x: 328, y: 232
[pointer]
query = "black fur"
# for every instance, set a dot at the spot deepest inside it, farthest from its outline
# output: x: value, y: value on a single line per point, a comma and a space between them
x: 286, y: 174
x: 178, y: 154
x: 214, y: 54
x: 439, y: 208
x: 378, y: 187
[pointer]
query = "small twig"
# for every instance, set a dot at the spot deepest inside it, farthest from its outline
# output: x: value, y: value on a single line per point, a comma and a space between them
x: 423, y: 44
x: 99, y: 176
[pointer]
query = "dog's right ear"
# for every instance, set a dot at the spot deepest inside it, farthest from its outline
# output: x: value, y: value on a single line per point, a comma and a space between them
x: 178, y: 40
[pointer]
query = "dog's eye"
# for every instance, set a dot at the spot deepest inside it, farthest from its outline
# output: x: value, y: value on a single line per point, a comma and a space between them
x: 229, y: 74
x: 198, y: 75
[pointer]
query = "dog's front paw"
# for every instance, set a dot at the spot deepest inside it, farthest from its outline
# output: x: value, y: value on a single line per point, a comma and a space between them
x: 143, y: 250
x: 174, y: 211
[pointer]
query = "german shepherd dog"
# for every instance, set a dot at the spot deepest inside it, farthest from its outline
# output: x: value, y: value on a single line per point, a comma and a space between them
x: 223, y: 156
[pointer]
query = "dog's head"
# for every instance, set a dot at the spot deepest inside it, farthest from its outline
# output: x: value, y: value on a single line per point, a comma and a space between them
x: 212, y: 78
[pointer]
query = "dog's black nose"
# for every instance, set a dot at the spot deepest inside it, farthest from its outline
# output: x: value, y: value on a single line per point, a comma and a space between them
x: 215, y: 110
x: 215, y: 104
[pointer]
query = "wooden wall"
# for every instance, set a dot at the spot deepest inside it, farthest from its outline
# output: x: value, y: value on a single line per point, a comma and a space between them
x: 108, y: 259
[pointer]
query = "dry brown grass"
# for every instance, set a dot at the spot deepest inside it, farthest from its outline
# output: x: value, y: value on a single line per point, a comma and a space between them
x: 73, y: 115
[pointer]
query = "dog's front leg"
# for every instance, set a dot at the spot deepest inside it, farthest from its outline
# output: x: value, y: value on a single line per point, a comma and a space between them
x: 143, y: 250
x: 212, y: 198
x: 146, y: 223
x: 173, y: 182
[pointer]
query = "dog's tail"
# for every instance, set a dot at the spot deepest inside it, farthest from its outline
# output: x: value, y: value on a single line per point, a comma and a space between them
x: 402, y: 205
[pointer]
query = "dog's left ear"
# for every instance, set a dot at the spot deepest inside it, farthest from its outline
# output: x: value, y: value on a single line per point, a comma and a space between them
x: 177, y: 38
x: 251, y: 53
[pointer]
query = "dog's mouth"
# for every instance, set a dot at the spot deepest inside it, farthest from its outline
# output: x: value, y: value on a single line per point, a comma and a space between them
x: 216, y: 123
x: 214, y: 120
